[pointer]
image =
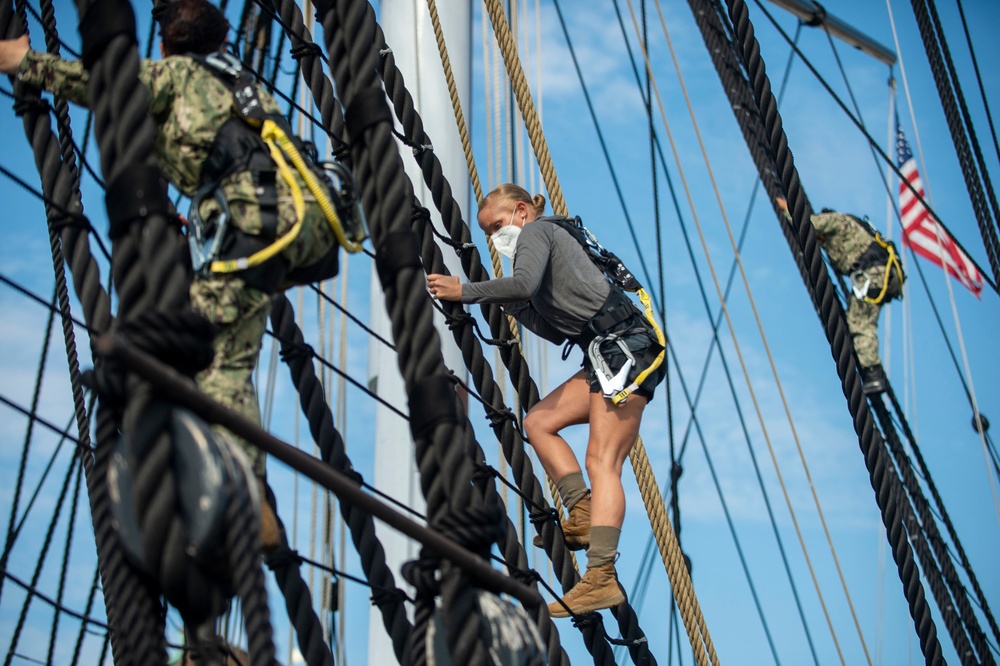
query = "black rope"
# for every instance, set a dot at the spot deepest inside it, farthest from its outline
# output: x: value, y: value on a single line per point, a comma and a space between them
x: 803, y: 243
x: 979, y: 77
x: 36, y: 593
x: 317, y: 410
x: 58, y: 183
x: 64, y: 569
x: 942, y: 514
x: 963, y: 134
x: 386, y: 194
x: 40, y: 563
x: 340, y: 308
x: 22, y: 466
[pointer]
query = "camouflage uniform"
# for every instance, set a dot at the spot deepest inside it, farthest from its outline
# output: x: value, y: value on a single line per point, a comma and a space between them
x: 189, y: 105
x: 845, y: 240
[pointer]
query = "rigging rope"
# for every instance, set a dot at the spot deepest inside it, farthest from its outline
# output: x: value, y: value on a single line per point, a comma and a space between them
x: 716, y: 322
x: 802, y: 239
x: 960, y: 125
x: 760, y: 328
x: 979, y: 77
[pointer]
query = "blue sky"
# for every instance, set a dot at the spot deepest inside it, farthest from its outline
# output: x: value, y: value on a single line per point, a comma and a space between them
x: 837, y: 171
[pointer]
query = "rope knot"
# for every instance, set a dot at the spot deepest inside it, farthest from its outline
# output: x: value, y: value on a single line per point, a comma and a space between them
x: 587, y: 620
x: 526, y: 576
x: 282, y: 558
x: 541, y: 516
x: 457, y: 320
x: 476, y: 528
x: 296, y: 351
x: 497, y: 417
x: 422, y: 574
x: 385, y: 596
x: 305, y: 49
x: 26, y: 105
x: 484, y: 472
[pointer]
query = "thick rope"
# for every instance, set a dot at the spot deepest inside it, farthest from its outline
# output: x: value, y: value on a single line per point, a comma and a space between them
x: 463, y: 133
x: 507, y: 434
x: 59, y: 183
x: 522, y: 91
x: 445, y: 470
x: 925, y: 473
x: 673, y: 560
x: 947, y: 588
x: 759, y: 324
x: 311, y: 394
x: 880, y: 467
x: 949, y: 91
x: 333, y: 452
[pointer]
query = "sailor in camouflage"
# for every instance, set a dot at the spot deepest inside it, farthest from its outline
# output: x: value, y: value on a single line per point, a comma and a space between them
x: 854, y: 253
x: 189, y: 104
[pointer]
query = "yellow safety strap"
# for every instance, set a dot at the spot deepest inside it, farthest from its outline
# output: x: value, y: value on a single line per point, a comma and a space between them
x: 891, y: 264
x: 280, y: 145
x: 620, y: 397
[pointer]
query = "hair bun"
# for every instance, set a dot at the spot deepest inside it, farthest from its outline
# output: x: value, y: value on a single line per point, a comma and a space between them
x: 538, y: 201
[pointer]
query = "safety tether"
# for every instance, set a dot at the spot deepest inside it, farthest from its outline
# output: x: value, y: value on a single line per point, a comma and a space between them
x: 247, y: 105
x: 891, y: 265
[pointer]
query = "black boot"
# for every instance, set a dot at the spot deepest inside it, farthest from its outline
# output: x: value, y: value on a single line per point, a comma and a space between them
x: 874, y: 380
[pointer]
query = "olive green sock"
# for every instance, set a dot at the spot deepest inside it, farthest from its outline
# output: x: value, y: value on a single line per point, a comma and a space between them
x: 603, y: 545
x: 571, y: 489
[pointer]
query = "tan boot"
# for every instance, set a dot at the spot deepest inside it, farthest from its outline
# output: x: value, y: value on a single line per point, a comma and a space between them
x: 597, y: 590
x: 576, y: 528
x: 270, y: 538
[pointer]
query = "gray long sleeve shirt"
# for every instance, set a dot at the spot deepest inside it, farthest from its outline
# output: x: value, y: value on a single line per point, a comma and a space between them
x: 555, y: 288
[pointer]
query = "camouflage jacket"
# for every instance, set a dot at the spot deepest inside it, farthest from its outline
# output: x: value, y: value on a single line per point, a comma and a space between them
x: 843, y: 238
x: 188, y: 104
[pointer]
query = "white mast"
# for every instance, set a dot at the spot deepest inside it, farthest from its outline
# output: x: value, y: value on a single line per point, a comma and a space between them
x: 409, y: 33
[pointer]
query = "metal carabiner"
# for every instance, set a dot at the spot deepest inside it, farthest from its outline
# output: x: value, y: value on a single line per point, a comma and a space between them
x: 611, y: 382
x: 347, y: 201
x: 201, y: 259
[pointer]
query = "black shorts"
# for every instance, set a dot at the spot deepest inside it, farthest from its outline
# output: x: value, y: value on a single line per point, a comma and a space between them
x: 638, y: 343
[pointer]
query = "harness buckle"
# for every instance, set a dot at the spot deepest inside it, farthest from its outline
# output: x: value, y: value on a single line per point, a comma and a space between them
x: 611, y: 382
x: 202, y: 257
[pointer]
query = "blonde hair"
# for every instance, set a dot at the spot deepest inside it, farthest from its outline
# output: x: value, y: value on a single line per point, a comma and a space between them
x: 514, y: 193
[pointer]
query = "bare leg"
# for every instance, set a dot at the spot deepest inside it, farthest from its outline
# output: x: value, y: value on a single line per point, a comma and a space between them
x: 613, y: 431
x: 567, y: 405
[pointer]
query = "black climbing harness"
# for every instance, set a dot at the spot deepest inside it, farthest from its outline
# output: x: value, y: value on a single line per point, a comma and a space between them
x: 613, y: 322
x: 880, y: 253
x: 262, y: 144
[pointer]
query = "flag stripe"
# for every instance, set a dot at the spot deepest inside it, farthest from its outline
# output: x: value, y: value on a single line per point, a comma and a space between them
x: 921, y: 231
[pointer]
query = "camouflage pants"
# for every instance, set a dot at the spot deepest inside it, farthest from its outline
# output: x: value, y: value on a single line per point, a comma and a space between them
x: 240, y: 316
x: 862, y: 320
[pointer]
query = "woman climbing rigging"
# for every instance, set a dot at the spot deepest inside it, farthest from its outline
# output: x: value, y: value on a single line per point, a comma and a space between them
x: 557, y: 292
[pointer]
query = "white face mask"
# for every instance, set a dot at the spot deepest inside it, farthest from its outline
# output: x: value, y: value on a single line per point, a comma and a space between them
x: 505, y: 238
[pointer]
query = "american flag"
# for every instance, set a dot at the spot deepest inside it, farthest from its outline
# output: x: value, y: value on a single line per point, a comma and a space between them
x: 921, y: 231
